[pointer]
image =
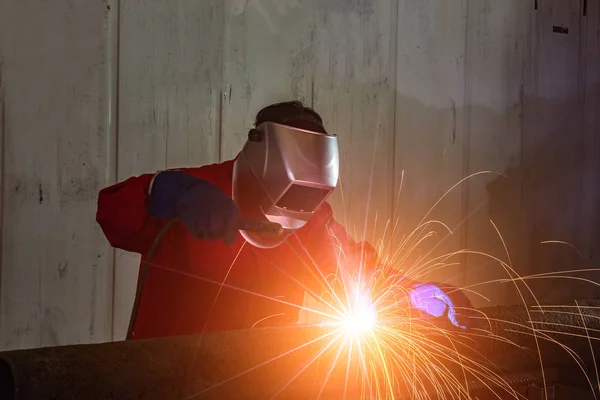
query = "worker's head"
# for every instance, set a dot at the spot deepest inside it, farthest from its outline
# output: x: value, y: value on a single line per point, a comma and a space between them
x: 286, y: 170
x: 291, y: 113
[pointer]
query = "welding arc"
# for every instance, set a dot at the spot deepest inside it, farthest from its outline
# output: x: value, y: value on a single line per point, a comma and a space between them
x: 263, y: 227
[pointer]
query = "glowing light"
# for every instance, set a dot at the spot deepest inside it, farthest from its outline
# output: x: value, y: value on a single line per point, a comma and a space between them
x: 362, y: 316
x: 377, y: 338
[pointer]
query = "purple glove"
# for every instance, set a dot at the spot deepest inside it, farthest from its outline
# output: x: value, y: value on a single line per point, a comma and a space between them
x: 431, y: 299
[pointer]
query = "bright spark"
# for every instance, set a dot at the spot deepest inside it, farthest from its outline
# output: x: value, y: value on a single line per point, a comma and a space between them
x: 362, y: 317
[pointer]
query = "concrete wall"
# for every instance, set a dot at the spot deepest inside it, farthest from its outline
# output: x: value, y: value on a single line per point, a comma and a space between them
x: 421, y: 93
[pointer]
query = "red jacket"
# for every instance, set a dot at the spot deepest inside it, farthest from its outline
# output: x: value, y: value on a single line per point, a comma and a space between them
x: 186, y: 274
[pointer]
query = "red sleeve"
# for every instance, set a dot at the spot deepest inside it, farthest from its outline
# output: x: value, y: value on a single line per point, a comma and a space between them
x: 122, y: 215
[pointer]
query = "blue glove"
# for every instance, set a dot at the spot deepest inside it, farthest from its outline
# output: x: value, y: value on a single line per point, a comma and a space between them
x: 205, y: 210
x: 432, y: 300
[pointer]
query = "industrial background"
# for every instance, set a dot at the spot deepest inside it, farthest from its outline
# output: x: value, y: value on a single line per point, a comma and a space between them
x: 421, y: 93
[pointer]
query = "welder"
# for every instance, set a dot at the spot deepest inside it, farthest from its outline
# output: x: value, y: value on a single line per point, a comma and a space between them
x: 212, y: 272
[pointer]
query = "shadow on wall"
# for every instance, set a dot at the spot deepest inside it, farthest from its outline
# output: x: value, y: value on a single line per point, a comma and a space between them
x: 543, y: 201
x: 436, y: 153
x: 539, y: 147
x: 427, y: 157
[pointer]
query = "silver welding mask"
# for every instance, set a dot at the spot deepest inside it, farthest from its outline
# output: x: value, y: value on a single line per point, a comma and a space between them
x: 283, y: 174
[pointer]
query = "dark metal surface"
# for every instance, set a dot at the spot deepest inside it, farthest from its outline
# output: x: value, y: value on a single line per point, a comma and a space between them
x: 560, y: 333
x: 233, y: 365
x: 169, y: 368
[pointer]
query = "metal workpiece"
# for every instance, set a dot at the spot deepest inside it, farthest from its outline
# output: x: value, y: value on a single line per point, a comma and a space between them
x: 224, y: 365
x: 535, y: 336
x: 288, y: 362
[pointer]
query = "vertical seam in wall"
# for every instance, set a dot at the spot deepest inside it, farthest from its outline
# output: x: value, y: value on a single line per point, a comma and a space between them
x: 114, y: 52
x: 167, y: 129
x: 220, y: 127
x: 312, y: 87
x: 581, y: 103
x: 222, y: 89
x: 536, y: 27
x: 527, y: 76
x: 595, y: 119
x: 466, y: 161
x: 2, y: 187
x: 395, y: 30
x: 596, y: 125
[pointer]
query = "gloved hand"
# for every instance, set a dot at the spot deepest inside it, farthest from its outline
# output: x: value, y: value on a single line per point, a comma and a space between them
x: 205, y: 210
x: 436, y: 302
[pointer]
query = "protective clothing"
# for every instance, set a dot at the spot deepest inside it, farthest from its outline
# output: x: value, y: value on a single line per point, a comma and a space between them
x: 254, y: 286
x: 438, y: 300
x: 282, y: 175
x: 197, y: 286
x: 206, y: 211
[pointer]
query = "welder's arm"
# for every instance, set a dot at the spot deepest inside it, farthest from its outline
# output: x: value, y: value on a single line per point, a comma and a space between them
x: 334, y: 248
x: 134, y: 212
x: 122, y: 214
x: 435, y: 299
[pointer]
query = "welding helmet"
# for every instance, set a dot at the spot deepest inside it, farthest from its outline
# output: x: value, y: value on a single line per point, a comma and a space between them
x: 282, y: 175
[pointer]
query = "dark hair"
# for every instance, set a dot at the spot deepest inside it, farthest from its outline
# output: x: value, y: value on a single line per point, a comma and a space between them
x: 292, y: 113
